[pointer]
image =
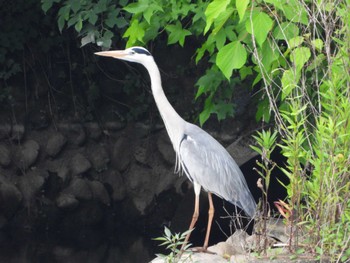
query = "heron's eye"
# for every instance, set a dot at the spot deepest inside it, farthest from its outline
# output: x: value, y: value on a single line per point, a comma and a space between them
x: 132, y: 52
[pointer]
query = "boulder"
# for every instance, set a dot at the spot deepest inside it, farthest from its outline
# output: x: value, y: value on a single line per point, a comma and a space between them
x: 18, y: 131
x: 75, y: 132
x: 121, y: 154
x: 55, y: 144
x: 114, y: 182
x: 166, y: 149
x: 99, y: 192
x: 30, y: 185
x: 141, y: 154
x: 10, y: 198
x: 67, y: 202
x: 5, y: 156
x: 140, y: 187
x: 79, y: 188
x: 79, y: 164
x: 26, y: 154
x: 114, y: 125
x: 99, y: 157
x: 5, y: 131
x: 93, y: 130
x: 240, y: 151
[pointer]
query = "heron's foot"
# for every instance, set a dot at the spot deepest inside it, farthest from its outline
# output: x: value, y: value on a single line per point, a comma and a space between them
x: 201, y: 250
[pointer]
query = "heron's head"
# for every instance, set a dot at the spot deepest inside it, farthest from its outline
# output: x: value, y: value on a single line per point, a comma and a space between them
x: 132, y: 54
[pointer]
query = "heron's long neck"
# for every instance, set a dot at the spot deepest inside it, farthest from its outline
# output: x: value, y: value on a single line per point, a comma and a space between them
x: 172, y: 120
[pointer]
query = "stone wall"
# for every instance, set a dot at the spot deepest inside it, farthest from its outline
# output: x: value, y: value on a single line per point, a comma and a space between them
x: 73, y: 173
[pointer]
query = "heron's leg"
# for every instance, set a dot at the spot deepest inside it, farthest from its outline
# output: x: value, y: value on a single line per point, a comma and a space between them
x: 197, y: 190
x: 210, y: 221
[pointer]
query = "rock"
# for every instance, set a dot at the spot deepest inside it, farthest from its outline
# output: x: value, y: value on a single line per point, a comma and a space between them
x: 10, y: 198
x: 276, y: 229
x: 79, y: 164
x: 237, y: 241
x: 121, y: 154
x: 166, y: 149
x: 196, y: 257
x: 99, y: 192
x: 93, y: 130
x: 59, y: 167
x: 55, y: 144
x: 241, y: 152
x: 114, y: 125
x: 141, y: 155
x: 140, y: 187
x: 26, y: 154
x: 115, y: 184
x: 222, y: 249
x: 30, y: 185
x: 99, y: 157
x: 79, y: 188
x: 18, y: 131
x: 255, y: 242
x: 74, y: 132
x: 5, y: 156
x: 67, y: 202
x: 5, y: 131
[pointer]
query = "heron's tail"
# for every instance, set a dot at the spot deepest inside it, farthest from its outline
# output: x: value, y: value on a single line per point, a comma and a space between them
x: 247, y: 203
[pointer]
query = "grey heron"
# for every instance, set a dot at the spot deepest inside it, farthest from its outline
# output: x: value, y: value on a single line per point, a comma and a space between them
x: 203, y: 159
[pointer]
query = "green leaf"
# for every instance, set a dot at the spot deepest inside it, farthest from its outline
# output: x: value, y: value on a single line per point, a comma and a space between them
x: 92, y: 17
x: 209, y: 82
x: 208, y: 109
x: 220, y: 39
x: 231, y: 56
x: 245, y: 71
x: 221, y: 20
x: 79, y: 25
x: 135, y: 33
x: 288, y: 83
x: 300, y: 56
x: 75, y: 5
x: 223, y: 109
x: 138, y: 7
x: 177, y: 34
x: 46, y: 5
x: 268, y: 54
x: 259, y: 27
x: 263, y: 111
x: 121, y: 22
x: 295, y: 12
x: 295, y: 41
x: 60, y: 23
x: 112, y: 17
x: 148, y: 14
x: 286, y: 31
x: 167, y: 232
x: 64, y: 12
x: 241, y: 6
x: 214, y: 10
x: 318, y: 44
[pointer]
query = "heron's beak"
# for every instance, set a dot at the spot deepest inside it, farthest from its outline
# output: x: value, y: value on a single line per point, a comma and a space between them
x: 112, y: 53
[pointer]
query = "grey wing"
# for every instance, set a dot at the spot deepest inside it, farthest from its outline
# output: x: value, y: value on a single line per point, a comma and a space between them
x: 206, y: 162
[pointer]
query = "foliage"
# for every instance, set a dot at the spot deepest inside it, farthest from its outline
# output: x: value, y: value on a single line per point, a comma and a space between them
x: 266, y: 143
x: 173, y: 242
x: 94, y: 21
x: 309, y: 96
